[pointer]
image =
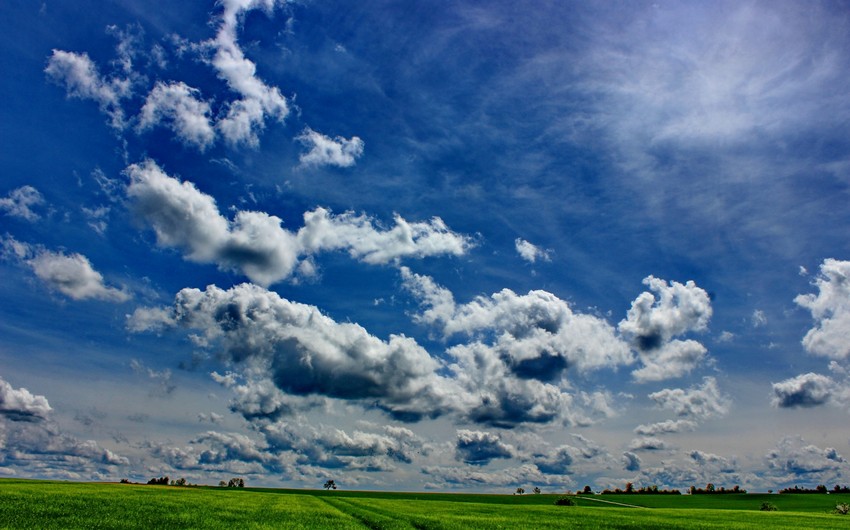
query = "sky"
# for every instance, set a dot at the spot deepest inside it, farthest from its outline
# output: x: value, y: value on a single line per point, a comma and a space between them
x: 426, y: 246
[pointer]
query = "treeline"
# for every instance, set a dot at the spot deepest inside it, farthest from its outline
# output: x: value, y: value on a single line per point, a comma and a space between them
x: 819, y: 489
x: 647, y: 490
x: 711, y: 489
x: 235, y: 482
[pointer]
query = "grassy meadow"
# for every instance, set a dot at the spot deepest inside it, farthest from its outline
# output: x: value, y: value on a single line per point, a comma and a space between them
x: 43, y: 504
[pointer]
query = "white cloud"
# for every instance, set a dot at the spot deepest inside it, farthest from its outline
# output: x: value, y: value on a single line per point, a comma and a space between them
x: 82, y: 80
x: 522, y: 345
x: 246, y: 117
x: 793, y: 458
x: 705, y: 401
x: 531, y: 252
x: 306, y: 353
x: 19, y: 404
x: 665, y: 427
x: 758, y: 319
x: 20, y: 201
x: 647, y: 443
x: 357, y: 235
x: 72, y: 275
x: 806, y: 390
x: 326, y: 151
x: 256, y: 245
x: 162, y: 380
x: 480, y: 447
x: 654, y: 319
x: 178, y: 104
x: 830, y: 309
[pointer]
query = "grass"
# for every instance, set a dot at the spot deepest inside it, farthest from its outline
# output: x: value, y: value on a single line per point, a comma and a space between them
x: 41, y: 504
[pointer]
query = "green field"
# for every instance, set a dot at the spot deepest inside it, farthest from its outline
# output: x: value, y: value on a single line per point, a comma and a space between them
x: 41, y: 504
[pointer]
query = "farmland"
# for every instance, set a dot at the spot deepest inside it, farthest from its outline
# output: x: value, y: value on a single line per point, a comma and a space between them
x: 41, y: 504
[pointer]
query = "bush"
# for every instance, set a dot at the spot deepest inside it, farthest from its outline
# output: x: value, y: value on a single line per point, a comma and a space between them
x: 767, y: 507
x: 564, y: 501
x: 842, y: 508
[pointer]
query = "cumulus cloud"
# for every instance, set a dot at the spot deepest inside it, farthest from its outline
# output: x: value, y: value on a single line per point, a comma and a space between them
x: 19, y: 404
x: 20, y: 203
x: 307, y: 353
x: 830, y: 308
x: 558, y: 462
x: 255, y: 244
x: 806, y: 390
x: 480, y: 448
x: 72, y: 275
x: 647, y: 443
x: 80, y: 76
x: 334, y: 448
x: 631, y: 461
x: 758, y: 319
x: 466, y: 477
x: 178, y: 105
x: 521, y: 348
x: 665, y: 427
x: 326, y: 151
x: 244, y: 118
x: 702, y: 402
x: 531, y: 252
x: 658, y: 315
x: 32, y: 441
x: 793, y: 457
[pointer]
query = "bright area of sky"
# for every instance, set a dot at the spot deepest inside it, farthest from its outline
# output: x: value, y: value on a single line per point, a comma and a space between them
x: 439, y: 245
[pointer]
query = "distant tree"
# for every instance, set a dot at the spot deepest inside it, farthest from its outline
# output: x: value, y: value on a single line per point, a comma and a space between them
x: 630, y: 488
x: 770, y: 491
x: 536, y: 490
x: 180, y: 482
x: 767, y: 507
x: 125, y: 481
x: 520, y: 491
x: 222, y: 484
x: 587, y: 490
x: 564, y: 501
x: 236, y: 482
x: 709, y: 487
x: 330, y: 485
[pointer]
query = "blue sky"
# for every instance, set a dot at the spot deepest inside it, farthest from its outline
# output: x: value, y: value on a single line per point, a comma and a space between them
x: 451, y: 246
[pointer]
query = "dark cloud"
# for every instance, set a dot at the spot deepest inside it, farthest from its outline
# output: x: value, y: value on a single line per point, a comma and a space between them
x: 480, y: 448
x: 806, y: 390
x: 631, y: 461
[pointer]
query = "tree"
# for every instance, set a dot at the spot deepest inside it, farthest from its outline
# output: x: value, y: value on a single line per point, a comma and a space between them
x: 330, y: 485
x: 520, y: 491
x: 222, y: 484
x: 236, y: 482
x: 536, y: 490
x: 587, y: 490
x: 630, y: 488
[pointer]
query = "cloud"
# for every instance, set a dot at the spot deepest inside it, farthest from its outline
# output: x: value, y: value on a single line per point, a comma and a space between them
x: 357, y: 235
x: 758, y: 319
x: 31, y: 440
x: 480, y: 448
x: 306, y: 353
x: 558, y: 462
x: 654, y: 319
x: 162, y: 382
x: 20, y: 201
x: 470, y: 477
x: 647, y: 444
x: 177, y: 104
x: 81, y: 79
x: 806, y: 390
x: 255, y: 244
x: 793, y: 457
x: 72, y: 275
x: 243, y: 118
x: 631, y: 461
x: 521, y: 348
x: 703, y: 402
x: 530, y: 252
x: 665, y: 427
x: 830, y: 309
x: 326, y: 151
x: 336, y: 449
x: 18, y: 404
